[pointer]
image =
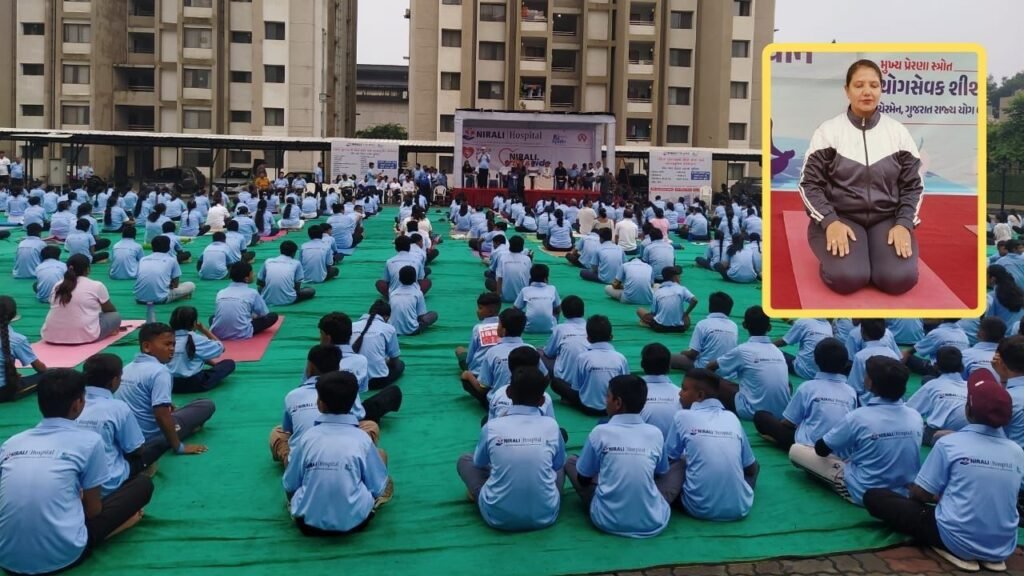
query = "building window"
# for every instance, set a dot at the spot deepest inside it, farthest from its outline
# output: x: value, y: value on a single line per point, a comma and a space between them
x: 678, y: 135
x: 32, y: 69
x: 197, y: 78
x: 77, y: 33
x: 196, y: 157
x: 31, y: 109
x: 678, y: 96
x: 141, y: 43
x: 241, y: 116
x: 76, y: 74
x: 273, y: 116
x: 33, y: 28
x: 273, y: 74
x: 741, y: 48
x: 492, y: 12
x: 680, y: 57
x: 451, y: 81
x: 738, y: 90
x: 70, y: 114
x: 197, y: 119
x: 447, y: 123
x: 682, y: 20
x: 741, y: 8
x: 451, y: 2
x: 274, y: 30
x: 241, y: 77
x: 451, y: 38
x: 198, y: 3
x: 241, y: 37
x: 491, y: 90
x: 240, y: 157
x: 492, y: 50
x: 737, y: 131
x: 198, y: 38
x: 735, y: 171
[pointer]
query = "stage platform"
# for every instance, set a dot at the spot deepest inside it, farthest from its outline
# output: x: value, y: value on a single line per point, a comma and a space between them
x: 485, y: 196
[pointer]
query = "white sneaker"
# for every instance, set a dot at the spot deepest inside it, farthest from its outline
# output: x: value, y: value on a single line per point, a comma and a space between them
x: 960, y: 563
x: 994, y: 566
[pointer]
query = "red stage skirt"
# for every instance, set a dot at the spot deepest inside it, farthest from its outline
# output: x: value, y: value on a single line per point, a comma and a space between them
x: 485, y: 196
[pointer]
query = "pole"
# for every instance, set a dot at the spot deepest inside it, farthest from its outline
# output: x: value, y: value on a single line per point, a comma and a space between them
x: 1002, y: 195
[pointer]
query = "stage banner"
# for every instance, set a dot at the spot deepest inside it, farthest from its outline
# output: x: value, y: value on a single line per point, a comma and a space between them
x: 935, y: 95
x: 354, y: 157
x: 678, y: 172
x: 532, y: 146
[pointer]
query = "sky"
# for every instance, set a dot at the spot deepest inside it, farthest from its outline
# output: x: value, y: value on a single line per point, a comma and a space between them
x: 995, y: 24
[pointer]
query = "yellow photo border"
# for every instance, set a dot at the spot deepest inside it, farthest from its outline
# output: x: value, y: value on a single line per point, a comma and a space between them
x: 766, y: 108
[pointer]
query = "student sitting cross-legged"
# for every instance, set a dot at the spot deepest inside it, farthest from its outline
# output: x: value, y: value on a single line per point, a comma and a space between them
x: 377, y: 340
x: 615, y: 473
x: 667, y: 313
x: 539, y: 301
x: 159, y: 277
x: 633, y: 284
x: 712, y: 337
x: 126, y: 255
x: 567, y: 341
x: 662, y: 394
x: 806, y: 333
x: 991, y: 331
x: 49, y: 273
x: 1008, y: 364
x: 717, y: 471
x: 177, y: 249
x: 241, y: 312
x: 515, y: 475
x: 494, y: 371
x: 818, y: 404
x: 409, y: 314
x: 875, y: 446
x: 317, y: 257
x: 921, y: 358
x: 52, y: 511
x: 29, y: 253
x: 595, y: 367
x: 485, y: 333
x: 336, y: 478
x: 941, y: 401
x: 389, y: 280
x: 217, y: 257
x: 146, y: 386
x: 973, y: 476
x: 280, y: 279
x: 195, y: 347
x: 525, y: 357
x: 873, y: 331
x: 15, y: 346
x: 607, y: 261
x: 512, y: 272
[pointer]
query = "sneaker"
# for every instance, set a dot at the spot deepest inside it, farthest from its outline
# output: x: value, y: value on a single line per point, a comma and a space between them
x: 385, y: 497
x: 994, y: 566
x: 959, y: 563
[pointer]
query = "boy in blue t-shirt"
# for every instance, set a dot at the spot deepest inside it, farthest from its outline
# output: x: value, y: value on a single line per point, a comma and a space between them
x: 941, y: 400
x: 409, y: 313
x: 49, y: 273
x: 240, y: 311
x: 485, y: 333
x: 29, y: 252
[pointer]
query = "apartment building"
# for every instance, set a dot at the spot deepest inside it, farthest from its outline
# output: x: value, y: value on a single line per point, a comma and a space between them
x: 674, y: 72
x: 382, y: 95
x: 245, y: 67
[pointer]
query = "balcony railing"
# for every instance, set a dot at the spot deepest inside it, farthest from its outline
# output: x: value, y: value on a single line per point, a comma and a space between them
x: 528, y: 58
x: 640, y: 21
x: 638, y: 138
x: 562, y: 105
x: 531, y: 95
x: 563, y: 68
x: 645, y: 61
x: 141, y: 127
x: 535, y: 16
x: 140, y: 87
x: 564, y: 33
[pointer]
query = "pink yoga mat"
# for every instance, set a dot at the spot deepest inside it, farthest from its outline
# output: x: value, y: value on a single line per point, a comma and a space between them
x: 65, y: 356
x: 930, y: 293
x: 253, y: 349
x: 274, y: 236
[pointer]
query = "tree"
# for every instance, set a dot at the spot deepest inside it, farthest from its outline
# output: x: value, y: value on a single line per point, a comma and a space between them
x: 390, y: 131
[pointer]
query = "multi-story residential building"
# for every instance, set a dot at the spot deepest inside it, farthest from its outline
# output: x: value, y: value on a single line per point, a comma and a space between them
x: 244, y: 67
x: 674, y: 72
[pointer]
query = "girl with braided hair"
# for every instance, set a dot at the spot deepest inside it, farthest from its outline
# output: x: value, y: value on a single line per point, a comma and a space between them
x: 14, y: 346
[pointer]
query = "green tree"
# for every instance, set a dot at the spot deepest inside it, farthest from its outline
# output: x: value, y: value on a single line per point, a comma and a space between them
x: 390, y: 131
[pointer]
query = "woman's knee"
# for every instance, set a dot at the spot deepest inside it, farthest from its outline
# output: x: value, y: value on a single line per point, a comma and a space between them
x: 845, y: 278
x: 897, y: 280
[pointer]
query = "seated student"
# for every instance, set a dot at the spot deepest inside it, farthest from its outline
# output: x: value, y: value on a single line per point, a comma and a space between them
x: 317, y: 258
x: 523, y: 363
x: 62, y: 221
x: 81, y: 241
x: 29, y: 253
x: 696, y: 227
x: 741, y: 263
x: 484, y: 334
x: 159, y: 277
x: 280, y: 278
x: 713, y: 466
x: 921, y: 358
x: 155, y: 222
x: 80, y: 308
x: 941, y: 400
x: 246, y: 225
x: 714, y: 253
x: 421, y: 241
x: 712, y: 337
x: 539, y: 301
x: 377, y: 340
x: 177, y: 248
x: 216, y: 258
x: 595, y: 367
x: 559, y: 236
x: 238, y: 242
x: 973, y: 476
x: 758, y: 366
x: 14, y: 346
x: 807, y: 332
x: 127, y: 253
x: 607, y: 262
x: 615, y: 472
x: 35, y: 214
x: 818, y: 404
x: 146, y: 385
x: 52, y: 511
x: 192, y: 219
x: 667, y: 314
x: 336, y: 330
x: 567, y: 341
x: 409, y: 314
x: 632, y: 285
x: 342, y: 499
x: 291, y: 215
x: 195, y: 347
x: 113, y: 420
x: 512, y: 272
x: 855, y: 341
x: 49, y: 273
x: 493, y: 372
x: 389, y: 280
x: 309, y: 207
x: 659, y: 254
x: 662, y: 395
x: 583, y: 254
x: 906, y: 331
x: 518, y: 485
x: 874, y: 446
x: 1008, y: 364
x: 872, y: 330
x: 979, y: 356
x: 241, y: 312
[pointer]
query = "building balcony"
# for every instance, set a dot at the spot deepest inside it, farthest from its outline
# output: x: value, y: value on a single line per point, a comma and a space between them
x: 638, y: 138
x: 197, y: 94
x: 639, y: 106
x: 563, y: 106
x: 75, y: 89
x: 196, y: 12
x: 641, y: 28
x: 201, y: 54
x: 533, y: 64
x: 77, y: 48
x: 640, y: 68
x: 77, y: 7
x: 134, y: 98
x: 532, y: 105
x: 540, y: 26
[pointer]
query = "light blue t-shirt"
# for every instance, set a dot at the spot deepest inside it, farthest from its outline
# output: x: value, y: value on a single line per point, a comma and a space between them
x: 635, y: 277
x: 763, y: 377
x: 716, y: 450
x: 343, y: 227
x: 670, y: 302
x: 713, y: 337
x: 978, y: 357
x: 859, y: 366
x: 587, y: 247
x: 380, y: 343
x: 216, y: 259
x: 659, y: 254
x: 514, y: 273
x: 113, y: 420
x: 610, y: 258
x: 61, y: 224
x: 235, y: 308
x: 146, y: 384
x: 407, y: 305
x: 662, y: 402
x: 181, y: 366
x: 494, y: 372
x: 568, y: 340
x: 156, y: 272
x: 28, y: 257
x: 394, y: 266
x: 49, y: 273
x: 807, y: 332
x: 624, y: 455
x: 280, y: 275
x: 818, y: 405
x: 538, y: 301
x: 855, y: 342
x: 945, y: 334
x: 906, y: 331
x: 745, y: 265
x: 595, y: 368
x: 117, y: 218
x: 21, y: 350
x: 499, y: 404
x: 124, y: 259
x: 941, y: 402
x: 191, y: 222
x: 485, y: 335
x: 560, y: 236
x: 79, y: 242
x: 316, y: 257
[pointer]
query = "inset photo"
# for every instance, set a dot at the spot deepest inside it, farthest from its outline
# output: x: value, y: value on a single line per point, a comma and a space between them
x: 875, y: 158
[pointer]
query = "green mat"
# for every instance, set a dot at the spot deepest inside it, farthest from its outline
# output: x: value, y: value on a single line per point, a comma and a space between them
x: 224, y: 512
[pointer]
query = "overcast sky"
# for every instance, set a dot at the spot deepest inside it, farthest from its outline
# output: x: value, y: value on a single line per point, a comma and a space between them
x: 995, y: 24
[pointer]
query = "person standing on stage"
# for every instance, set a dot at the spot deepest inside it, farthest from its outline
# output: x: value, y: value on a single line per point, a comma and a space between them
x: 483, y: 166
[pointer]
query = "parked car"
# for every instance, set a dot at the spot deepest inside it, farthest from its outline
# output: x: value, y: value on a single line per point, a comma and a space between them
x: 186, y: 180
x: 749, y: 186
x: 234, y: 179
